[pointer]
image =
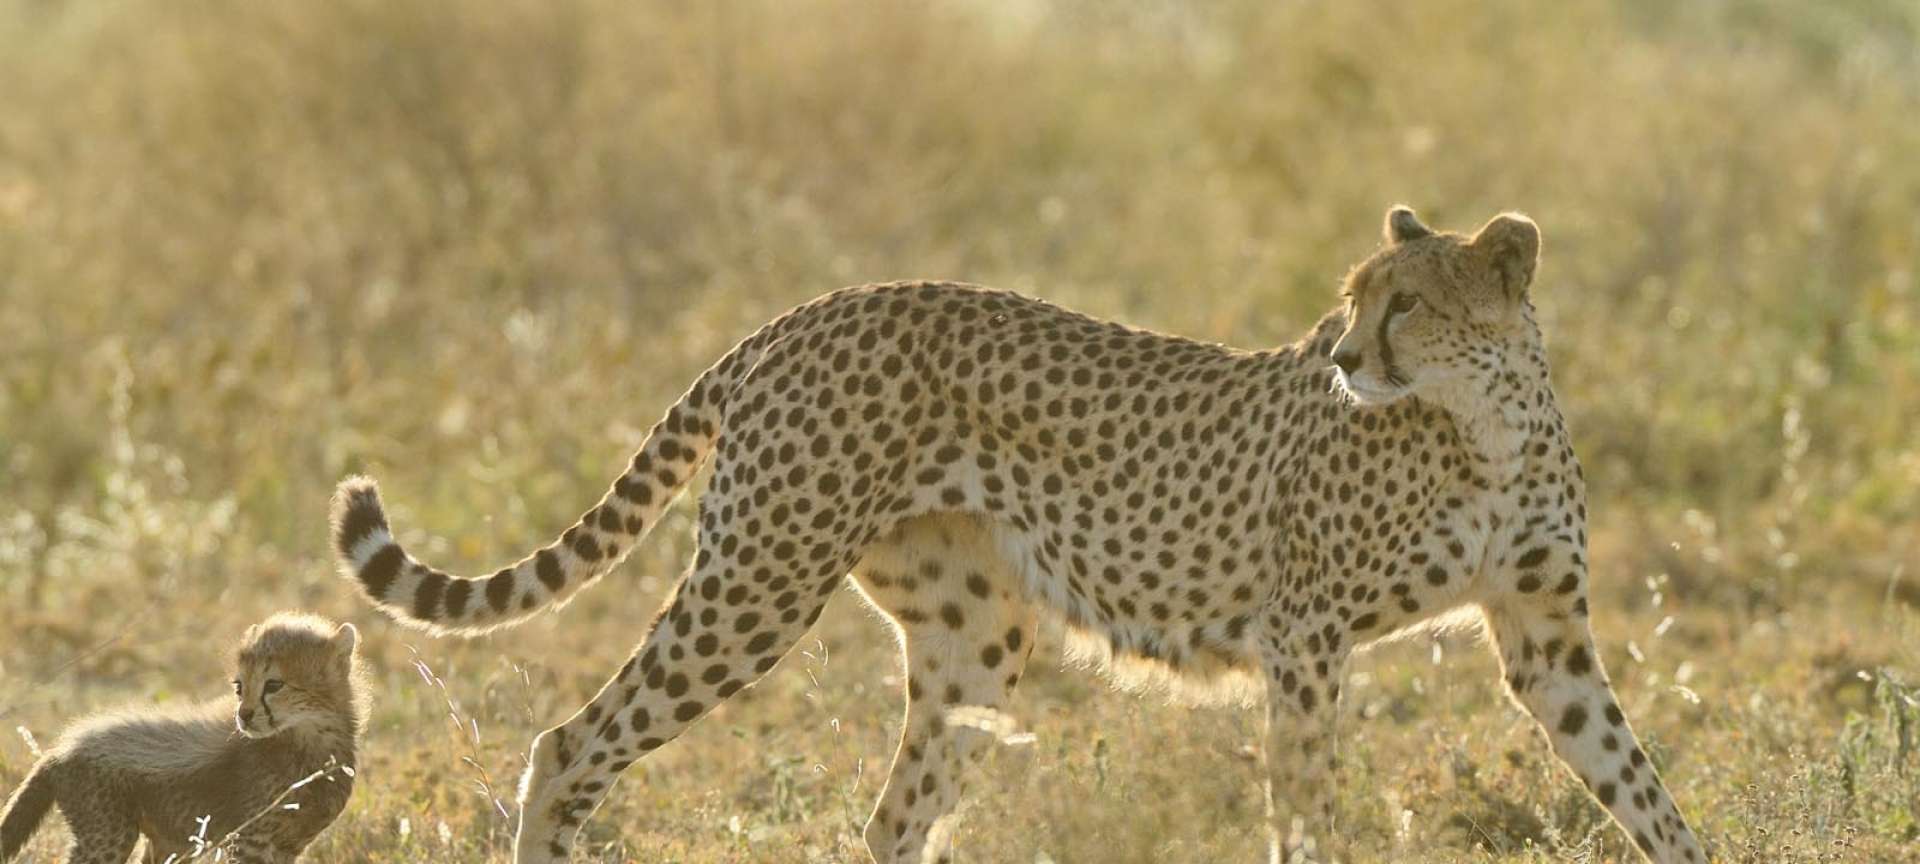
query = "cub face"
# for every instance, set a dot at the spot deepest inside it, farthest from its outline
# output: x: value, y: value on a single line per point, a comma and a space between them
x: 293, y: 670
x: 1432, y: 309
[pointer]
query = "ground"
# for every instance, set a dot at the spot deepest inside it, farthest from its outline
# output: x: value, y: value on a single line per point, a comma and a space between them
x: 248, y: 251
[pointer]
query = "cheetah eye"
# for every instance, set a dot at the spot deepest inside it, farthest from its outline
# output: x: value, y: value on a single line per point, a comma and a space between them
x: 1402, y: 303
x: 237, y: 689
x: 273, y: 685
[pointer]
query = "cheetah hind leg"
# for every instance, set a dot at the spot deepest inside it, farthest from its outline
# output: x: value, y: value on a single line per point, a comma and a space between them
x: 967, y: 632
x: 722, y: 632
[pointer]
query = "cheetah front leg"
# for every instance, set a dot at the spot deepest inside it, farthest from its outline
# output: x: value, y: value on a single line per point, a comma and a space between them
x: 967, y: 633
x: 1547, y: 656
x: 1303, y: 693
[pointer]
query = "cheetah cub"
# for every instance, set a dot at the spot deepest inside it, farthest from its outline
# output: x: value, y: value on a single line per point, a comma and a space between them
x: 1213, y: 520
x: 298, y: 706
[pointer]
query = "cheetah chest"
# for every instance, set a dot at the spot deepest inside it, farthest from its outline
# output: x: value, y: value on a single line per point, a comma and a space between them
x: 1392, y: 536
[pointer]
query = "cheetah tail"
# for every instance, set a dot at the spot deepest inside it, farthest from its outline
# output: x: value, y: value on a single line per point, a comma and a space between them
x: 441, y: 603
x: 24, y: 811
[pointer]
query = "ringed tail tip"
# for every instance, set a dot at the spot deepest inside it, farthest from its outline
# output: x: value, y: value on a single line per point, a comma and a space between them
x: 360, y: 530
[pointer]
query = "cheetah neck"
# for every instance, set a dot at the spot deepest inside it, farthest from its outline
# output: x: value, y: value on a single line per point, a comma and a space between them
x: 1499, y: 411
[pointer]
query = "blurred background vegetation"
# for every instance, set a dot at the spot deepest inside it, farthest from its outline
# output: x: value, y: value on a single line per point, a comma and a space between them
x: 475, y: 248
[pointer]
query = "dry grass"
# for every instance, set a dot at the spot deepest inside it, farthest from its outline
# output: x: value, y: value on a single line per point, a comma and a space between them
x: 476, y: 248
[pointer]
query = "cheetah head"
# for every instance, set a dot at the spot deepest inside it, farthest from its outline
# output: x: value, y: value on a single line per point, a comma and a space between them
x: 1435, y: 309
x: 295, y: 670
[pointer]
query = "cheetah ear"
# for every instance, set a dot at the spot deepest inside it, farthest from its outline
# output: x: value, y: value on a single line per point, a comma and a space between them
x: 1402, y: 225
x: 345, y: 637
x: 1510, y: 244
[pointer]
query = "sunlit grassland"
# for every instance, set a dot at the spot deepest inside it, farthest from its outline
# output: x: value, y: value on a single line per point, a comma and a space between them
x: 475, y: 249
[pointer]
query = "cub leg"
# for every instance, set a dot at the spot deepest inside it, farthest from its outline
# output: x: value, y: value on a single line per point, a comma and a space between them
x: 103, y: 831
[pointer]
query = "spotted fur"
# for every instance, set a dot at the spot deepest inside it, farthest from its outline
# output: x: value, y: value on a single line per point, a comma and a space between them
x: 1217, y: 516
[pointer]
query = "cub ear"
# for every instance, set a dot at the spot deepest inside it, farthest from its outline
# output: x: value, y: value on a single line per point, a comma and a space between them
x: 1510, y: 244
x: 345, y: 638
x: 1402, y: 225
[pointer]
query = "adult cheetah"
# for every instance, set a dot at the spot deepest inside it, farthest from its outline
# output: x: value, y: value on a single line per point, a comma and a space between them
x: 970, y: 456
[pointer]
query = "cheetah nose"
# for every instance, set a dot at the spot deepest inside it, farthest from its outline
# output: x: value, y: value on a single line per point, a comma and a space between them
x: 246, y: 716
x: 1347, y: 360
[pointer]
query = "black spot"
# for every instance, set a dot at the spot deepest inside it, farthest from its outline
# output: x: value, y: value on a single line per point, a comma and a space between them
x: 637, y: 491
x: 1574, y: 720
x: 381, y: 570
x: 426, y: 598
x: 500, y: 590
x: 455, y: 600
x: 546, y: 565
x: 762, y: 643
x: 1533, y: 558
x: 363, y: 517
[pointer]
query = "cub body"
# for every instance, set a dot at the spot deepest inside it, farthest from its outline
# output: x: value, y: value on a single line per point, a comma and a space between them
x: 159, y: 772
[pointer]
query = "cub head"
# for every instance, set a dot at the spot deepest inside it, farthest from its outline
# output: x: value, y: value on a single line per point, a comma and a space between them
x: 296, y: 670
x: 1433, y: 309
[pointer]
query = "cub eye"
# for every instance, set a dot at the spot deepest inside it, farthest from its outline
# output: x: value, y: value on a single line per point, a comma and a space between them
x: 236, y: 687
x: 1402, y: 303
x: 273, y: 685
